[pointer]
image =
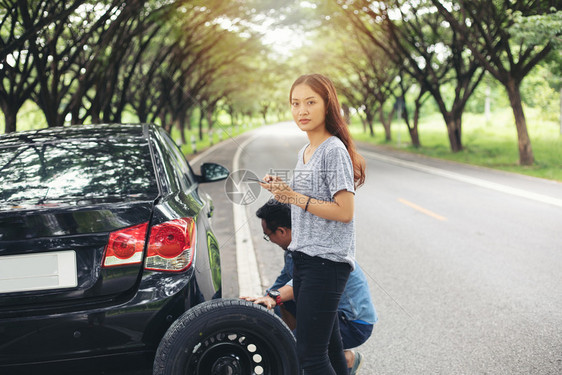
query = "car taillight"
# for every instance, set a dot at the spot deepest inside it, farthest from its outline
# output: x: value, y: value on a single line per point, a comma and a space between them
x: 171, y: 245
x: 125, y: 246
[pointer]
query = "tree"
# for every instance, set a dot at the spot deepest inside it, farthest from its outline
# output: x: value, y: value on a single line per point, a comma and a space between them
x: 414, y: 36
x: 271, y: 73
x: 18, y: 79
x: 405, y: 83
x: 539, y: 30
x: 90, y: 60
x: 37, y: 16
x: 208, y: 51
x: 20, y: 24
x: 483, y: 26
x: 365, y: 77
x: 367, y: 83
x: 102, y: 92
x: 63, y: 49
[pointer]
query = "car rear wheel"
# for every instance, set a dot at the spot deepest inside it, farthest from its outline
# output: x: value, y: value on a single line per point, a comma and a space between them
x: 227, y: 336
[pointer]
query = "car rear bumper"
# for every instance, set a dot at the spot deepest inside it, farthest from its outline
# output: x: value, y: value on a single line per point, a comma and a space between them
x: 126, y: 330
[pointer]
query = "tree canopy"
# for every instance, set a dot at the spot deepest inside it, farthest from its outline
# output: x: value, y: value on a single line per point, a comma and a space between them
x: 180, y: 62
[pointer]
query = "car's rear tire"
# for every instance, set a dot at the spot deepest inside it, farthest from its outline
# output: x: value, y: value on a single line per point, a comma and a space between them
x: 227, y: 336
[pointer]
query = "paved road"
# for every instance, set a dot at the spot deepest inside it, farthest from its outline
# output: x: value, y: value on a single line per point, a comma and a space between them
x: 464, y: 263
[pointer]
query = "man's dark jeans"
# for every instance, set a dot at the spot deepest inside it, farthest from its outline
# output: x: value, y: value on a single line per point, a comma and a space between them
x: 318, y: 285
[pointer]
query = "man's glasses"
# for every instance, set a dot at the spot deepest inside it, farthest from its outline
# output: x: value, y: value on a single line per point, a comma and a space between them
x: 266, y: 236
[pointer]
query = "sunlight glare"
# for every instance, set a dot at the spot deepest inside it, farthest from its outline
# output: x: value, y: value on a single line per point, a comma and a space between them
x: 284, y: 41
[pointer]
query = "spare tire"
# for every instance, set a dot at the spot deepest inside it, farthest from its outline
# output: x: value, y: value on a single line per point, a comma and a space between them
x: 227, y: 336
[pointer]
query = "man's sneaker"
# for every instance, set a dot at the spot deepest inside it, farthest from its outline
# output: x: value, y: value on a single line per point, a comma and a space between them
x: 357, y: 360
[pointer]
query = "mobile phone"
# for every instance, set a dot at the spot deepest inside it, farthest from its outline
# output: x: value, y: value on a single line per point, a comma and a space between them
x: 255, y: 180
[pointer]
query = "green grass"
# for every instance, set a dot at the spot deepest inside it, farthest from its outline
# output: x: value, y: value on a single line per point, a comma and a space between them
x: 200, y: 145
x: 492, y: 144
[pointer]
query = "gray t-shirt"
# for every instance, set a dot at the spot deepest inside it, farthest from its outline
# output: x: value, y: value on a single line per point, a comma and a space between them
x: 328, y: 171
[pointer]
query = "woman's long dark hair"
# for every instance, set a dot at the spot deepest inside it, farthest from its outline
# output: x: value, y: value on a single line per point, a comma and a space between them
x: 335, y: 122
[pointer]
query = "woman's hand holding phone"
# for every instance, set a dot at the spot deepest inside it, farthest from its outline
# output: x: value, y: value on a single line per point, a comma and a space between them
x: 280, y: 189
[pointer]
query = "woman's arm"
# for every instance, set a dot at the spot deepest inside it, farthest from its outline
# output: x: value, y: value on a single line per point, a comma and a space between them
x: 341, y: 209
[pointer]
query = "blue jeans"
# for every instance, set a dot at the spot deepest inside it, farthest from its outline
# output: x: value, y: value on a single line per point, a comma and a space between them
x: 318, y: 285
x: 352, y: 333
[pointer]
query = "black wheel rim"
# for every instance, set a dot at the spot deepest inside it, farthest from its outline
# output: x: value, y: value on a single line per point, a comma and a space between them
x: 233, y: 353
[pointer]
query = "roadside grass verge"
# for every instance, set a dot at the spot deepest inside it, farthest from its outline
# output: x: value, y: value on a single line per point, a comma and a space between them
x: 219, y: 133
x: 491, y: 144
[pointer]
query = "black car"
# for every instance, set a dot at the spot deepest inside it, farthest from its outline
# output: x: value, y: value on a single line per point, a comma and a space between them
x: 107, y: 257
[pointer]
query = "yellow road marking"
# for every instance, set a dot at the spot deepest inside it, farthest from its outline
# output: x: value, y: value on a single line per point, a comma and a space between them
x: 422, y: 210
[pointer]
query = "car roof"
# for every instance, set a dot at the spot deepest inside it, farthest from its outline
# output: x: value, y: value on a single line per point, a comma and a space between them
x: 97, y: 132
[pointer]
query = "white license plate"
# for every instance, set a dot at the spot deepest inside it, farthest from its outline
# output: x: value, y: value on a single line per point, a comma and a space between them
x: 54, y: 270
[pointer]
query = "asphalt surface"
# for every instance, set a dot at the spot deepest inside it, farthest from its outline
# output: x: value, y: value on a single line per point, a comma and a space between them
x: 464, y: 263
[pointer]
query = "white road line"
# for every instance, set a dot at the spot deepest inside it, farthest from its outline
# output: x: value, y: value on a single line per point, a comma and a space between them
x: 249, y: 283
x: 204, y: 154
x: 470, y: 180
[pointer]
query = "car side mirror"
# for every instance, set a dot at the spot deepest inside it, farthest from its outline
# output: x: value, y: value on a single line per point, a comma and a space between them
x: 211, y: 172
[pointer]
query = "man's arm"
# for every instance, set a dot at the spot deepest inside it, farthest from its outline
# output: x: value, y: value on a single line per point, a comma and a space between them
x: 286, y: 295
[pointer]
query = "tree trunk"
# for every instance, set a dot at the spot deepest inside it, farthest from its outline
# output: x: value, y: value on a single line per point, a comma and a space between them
x: 454, y: 131
x: 370, y: 119
x: 181, y: 126
x: 141, y: 113
x: 50, y: 112
x: 371, y: 130
x: 364, y: 123
x: 117, y: 117
x: 413, y: 130
x: 189, y: 117
x: 9, y: 121
x: 232, y: 115
x: 210, y: 112
x: 385, y: 125
x: 167, y: 125
x: 75, y: 115
x: 264, y: 110
x: 452, y: 121
x: 10, y: 108
x: 201, y: 115
x: 525, y: 150
x: 415, y: 136
x: 96, y: 118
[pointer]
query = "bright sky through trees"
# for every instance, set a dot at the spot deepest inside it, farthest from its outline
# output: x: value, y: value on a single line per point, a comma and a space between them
x: 284, y: 41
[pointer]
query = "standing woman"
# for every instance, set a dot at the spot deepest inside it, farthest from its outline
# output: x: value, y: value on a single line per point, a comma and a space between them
x: 321, y: 195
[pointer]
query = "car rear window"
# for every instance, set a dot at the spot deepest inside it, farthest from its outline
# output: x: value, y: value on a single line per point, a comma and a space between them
x: 76, y: 172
